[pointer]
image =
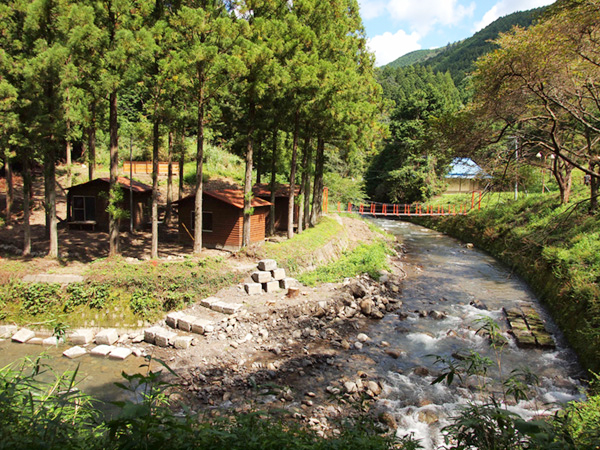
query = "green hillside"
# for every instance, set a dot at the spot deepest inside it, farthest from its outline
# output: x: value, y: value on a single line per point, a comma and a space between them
x: 458, y: 57
x: 416, y: 57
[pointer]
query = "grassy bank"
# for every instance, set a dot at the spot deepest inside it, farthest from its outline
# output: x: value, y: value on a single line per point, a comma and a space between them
x: 555, y: 248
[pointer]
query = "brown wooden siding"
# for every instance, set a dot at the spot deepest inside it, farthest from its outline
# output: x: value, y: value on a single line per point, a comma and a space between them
x: 228, y: 223
x: 146, y: 167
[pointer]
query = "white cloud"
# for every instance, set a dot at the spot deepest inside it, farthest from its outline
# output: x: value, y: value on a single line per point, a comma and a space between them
x: 388, y: 46
x: 504, y: 7
x: 423, y: 15
x: 371, y: 9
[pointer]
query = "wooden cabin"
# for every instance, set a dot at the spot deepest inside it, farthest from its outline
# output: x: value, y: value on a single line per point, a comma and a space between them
x: 87, y: 202
x: 282, y: 197
x: 222, y: 219
x: 465, y: 176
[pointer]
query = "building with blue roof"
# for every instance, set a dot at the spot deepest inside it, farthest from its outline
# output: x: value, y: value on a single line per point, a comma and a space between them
x: 465, y: 175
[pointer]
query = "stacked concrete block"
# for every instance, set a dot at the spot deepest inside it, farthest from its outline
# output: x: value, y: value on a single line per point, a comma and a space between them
x: 271, y: 286
x: 267, y: 264
x: 208, y: 302
x: 107, y: 337
x: 253, y: 288
x: 173, y: 318
x: 182, y: 342
x: 202, y: 326
x: 278, y: 274
x: 268, y: 278
x: 150, y: 334
x: 185, y: 322
x: 164, y: 338
x: 262, y: 276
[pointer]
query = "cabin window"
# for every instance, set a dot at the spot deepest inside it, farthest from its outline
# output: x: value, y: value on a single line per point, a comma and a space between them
x: 84, y: 208
x: 207, y: 221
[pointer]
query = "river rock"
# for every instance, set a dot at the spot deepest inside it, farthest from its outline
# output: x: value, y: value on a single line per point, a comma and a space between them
x: 366, y: 306
x: 362, y: 337
x: 437, y: 315
x: 74, y: 352
x: 428, y: 416
x: 357, y: 289
x: 374, y: 387
x: 120, y: 353
x: 350, y: 387
x: 23, y: 335
x: 377, y: 314
x: 358, y: 345
x: 478, y: 304
x: 421, y: 371
x: 82, y: 336
x: 182, y: 342
x: 388, y: 419
x: 107, y: 337
x: 393, y: 353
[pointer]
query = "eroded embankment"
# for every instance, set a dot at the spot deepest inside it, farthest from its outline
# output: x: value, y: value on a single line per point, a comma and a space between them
x: 532, y: 253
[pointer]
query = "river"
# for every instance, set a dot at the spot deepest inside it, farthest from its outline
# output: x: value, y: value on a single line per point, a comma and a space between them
x: 444, y: 275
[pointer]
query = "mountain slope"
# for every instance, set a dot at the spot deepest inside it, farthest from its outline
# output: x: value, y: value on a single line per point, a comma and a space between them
x: 458, y: 58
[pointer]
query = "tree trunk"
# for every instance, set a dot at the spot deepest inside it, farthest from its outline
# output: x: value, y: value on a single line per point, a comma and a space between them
x: 562, y: 173
x: 113, y: 222
x: 271, y: 230
x: 169, y: 179
x: 50, y: 184
x: 318, y: 184
x: 594, y: 184
x: 68, y: 148
x: 303, y: 191
x: 290, y: 227
x: 307, y: 190
x: 180, y: 139
x: 199, y: 162
x: 26, y: 206
x: 155, y: 139
x: 9, y: 187
x: 259, y: 151
x: 248, y: 177
x: 92, y: 144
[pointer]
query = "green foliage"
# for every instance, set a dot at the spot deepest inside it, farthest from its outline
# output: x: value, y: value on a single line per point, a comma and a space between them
x: 115, y: 200
x: 144, y: 304
x: 365, y: 258
x: 91, y: 294
x: 39, y: 298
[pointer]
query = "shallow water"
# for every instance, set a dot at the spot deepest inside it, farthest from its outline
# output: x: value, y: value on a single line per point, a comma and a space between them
x: 448, y: 277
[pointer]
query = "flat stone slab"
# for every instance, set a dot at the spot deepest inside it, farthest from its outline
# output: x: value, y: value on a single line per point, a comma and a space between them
x: 35, y: 341
x: 164, y: 338
x: 202, y: 326
x: 271, y: 286
x: 267, y: 264
x: 53, y: 340
x: 528, y: 328
x: 120, y: 353
x: 173, y: 318
x: 53, y: 278
x: 231, y: 308
x: 23, y: 335
x: 101, y: 350
x: 261, y: 276
x: 74, y: 352
x: 150, y: 334
x: 253, y: 288
x: 182, y: 342
x: 278, y: 274
x: 107, y: 337
x: 209, y: 301
x: 7, y: 331
x: 82, y: 336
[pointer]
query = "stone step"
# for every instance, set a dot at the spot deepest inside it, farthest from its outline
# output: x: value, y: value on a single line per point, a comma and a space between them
x: 528, y: 328
x: 53, y: 278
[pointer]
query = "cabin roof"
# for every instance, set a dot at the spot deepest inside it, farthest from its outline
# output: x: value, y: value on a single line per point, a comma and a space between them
x: 234, y: 197
x: 136, y: 186
x: 465, y: 168
x: 281, y: 190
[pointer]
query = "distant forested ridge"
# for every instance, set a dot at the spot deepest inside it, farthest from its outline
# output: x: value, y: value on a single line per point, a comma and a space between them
x: 458, y: 57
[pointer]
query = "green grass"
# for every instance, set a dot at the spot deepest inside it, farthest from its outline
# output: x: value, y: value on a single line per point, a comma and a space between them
x: 299, y: 252
x: 366, y: 258
x: 556, y: 248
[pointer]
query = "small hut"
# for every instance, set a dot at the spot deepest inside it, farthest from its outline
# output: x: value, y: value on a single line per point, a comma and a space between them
x: 282, y: 198
x: 87, y: 203
x: 465, y: 176
x: 222, y: 219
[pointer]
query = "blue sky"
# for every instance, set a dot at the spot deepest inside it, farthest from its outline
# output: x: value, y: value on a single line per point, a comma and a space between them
x: 397, y: 27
